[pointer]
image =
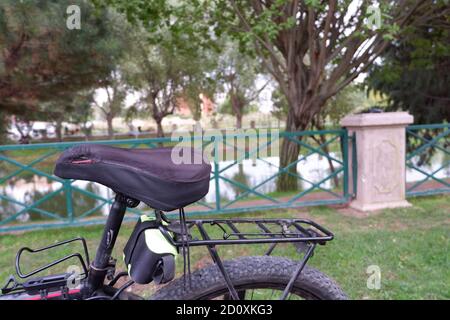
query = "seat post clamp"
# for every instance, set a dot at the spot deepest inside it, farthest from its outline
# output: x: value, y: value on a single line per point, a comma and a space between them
x: 130, y: 202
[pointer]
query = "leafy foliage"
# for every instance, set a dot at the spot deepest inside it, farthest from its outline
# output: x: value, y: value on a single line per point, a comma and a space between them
x: 348, y: 100
x: 168, y: 72
x: 313, y: 49
x: 116, y: 90
x: 43, y: 64
x: 413, y: 74
x: 414, y: 77
x: 237, y: 75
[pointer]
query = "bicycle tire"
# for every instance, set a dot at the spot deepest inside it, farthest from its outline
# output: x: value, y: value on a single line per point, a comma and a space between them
x: 260, y: 272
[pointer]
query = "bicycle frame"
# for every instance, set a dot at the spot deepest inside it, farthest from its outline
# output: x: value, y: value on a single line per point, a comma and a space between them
x: 99, y: 266
x: 103, y: 266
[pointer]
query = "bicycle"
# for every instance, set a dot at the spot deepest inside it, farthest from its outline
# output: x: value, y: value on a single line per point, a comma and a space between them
x: 152, y: 177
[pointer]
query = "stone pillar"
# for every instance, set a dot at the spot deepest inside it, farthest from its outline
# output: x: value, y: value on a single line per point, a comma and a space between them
x: 380, y: 154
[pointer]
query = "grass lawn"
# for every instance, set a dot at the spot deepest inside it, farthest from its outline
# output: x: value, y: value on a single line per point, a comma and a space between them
x: 410, y: 246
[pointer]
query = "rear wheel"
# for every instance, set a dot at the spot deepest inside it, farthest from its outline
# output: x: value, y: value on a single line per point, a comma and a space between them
x: 259, y: 278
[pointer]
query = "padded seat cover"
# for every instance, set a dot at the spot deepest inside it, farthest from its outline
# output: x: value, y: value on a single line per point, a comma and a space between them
x: 148, y: 175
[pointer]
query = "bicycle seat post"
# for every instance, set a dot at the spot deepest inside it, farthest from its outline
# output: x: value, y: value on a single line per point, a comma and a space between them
x: 99, y: 267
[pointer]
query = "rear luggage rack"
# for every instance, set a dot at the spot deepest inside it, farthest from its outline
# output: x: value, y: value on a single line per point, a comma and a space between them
x: 304, y: 234
x: 263, y: 231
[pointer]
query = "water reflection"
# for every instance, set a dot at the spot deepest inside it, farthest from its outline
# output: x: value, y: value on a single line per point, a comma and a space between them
x: 26, y: 191
x: 251, y: 173
x: 438, y: 161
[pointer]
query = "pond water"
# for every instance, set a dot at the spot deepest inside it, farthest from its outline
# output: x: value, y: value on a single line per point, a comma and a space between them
x: 250, y: 173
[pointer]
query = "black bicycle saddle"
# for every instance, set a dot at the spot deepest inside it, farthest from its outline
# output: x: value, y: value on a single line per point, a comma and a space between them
x: 148, y: 175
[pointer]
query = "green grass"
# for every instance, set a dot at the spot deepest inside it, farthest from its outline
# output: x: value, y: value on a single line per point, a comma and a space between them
x: 410, y: 246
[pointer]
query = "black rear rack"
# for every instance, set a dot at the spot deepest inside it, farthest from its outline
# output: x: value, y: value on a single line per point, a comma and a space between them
x: 264, y: 231
x: 305, y: 234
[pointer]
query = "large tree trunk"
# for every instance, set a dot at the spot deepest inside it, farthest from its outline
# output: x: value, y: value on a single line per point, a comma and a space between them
x: 109, y: 121
x: 300, y: 115
x: 288, y: 181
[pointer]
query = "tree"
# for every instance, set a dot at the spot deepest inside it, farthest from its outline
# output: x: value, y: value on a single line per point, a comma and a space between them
x: 315, y: 49
x: 413, y: 76
x: 344, y: 102
x: 115, y: 90
x: 43, y: 61
x: 75, y: 108
x: 227, y: 108
x: 172, y: 61
x: 171, y: 70
x: 312, y: 48
x: 349, y: 99
x: 237, y: 73
x: 81, y: 112
x: 161, y: 82
x: 280, y: 105
x: 413, y: 73
x: 115, y: 85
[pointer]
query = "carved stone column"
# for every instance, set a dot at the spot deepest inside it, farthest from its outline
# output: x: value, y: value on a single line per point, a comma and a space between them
x: 380, y: 148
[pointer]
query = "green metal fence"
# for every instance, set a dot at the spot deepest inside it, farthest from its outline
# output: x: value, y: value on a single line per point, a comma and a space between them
x: 32, y: 197
x: 425, y: 144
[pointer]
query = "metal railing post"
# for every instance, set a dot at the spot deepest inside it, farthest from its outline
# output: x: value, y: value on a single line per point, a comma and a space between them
x: 216, y: 173
x: 69, y: 200
x: 344, y: 137
x: 354, y: 166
